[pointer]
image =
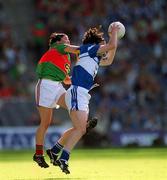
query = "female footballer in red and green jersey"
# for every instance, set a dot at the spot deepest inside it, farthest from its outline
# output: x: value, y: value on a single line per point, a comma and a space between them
x: 54, y: 64
x: 53, y: 68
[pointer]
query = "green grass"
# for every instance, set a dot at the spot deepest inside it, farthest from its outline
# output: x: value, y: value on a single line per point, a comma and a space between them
x: 104, y: 164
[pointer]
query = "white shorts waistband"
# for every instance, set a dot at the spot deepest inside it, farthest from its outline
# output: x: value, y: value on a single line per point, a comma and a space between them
x: 80, y: 88
x: 49, y: 81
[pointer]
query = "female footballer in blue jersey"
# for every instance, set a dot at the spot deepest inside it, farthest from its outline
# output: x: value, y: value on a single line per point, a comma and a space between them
x: 77, y: 96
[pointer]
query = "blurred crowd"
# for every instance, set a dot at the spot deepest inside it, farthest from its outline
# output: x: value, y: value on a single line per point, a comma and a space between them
x: 133, y: 91
x: 14, y: 77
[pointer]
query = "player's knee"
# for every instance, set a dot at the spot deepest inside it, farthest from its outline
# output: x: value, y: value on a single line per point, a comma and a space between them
x: 45, y: 125
x: 82, y: 130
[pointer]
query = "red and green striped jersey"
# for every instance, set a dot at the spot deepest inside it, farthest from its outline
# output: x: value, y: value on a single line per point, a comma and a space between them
x: 54, y: 64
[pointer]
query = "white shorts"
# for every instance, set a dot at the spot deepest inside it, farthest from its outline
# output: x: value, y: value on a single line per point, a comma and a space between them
x: 48, y: 92
x: 77, y: 98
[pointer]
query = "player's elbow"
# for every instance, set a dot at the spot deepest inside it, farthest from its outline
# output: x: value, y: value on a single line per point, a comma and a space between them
x: 109, y: 62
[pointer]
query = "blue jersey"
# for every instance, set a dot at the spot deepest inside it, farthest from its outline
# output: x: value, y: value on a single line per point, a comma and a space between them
x: 87, y: 66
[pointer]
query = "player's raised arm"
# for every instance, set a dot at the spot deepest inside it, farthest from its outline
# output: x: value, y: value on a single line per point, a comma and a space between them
x: 72, y: 49
x: 113, y: 41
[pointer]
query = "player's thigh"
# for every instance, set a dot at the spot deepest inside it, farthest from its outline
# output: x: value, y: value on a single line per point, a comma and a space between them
x: 79, y: 119
x: 60, y: 97
x: 61, y: 101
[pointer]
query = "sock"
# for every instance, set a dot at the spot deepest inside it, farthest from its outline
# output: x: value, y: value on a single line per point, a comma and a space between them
x: 39, y: 150
x: 65, y: 155
x: 57, y: 148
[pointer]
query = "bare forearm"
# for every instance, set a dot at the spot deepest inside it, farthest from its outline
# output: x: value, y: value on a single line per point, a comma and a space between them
x: 113, y: 41
x: 72, y: 49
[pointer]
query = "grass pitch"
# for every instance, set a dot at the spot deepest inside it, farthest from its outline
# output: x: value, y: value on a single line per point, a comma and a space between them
x: 104, y: 164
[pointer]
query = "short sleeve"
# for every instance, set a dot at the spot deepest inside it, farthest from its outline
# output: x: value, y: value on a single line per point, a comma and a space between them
x: 92, y: 50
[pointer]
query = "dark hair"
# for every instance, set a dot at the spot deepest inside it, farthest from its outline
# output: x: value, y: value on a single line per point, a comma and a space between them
x: 93, y: 36
x: 54, y: 37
